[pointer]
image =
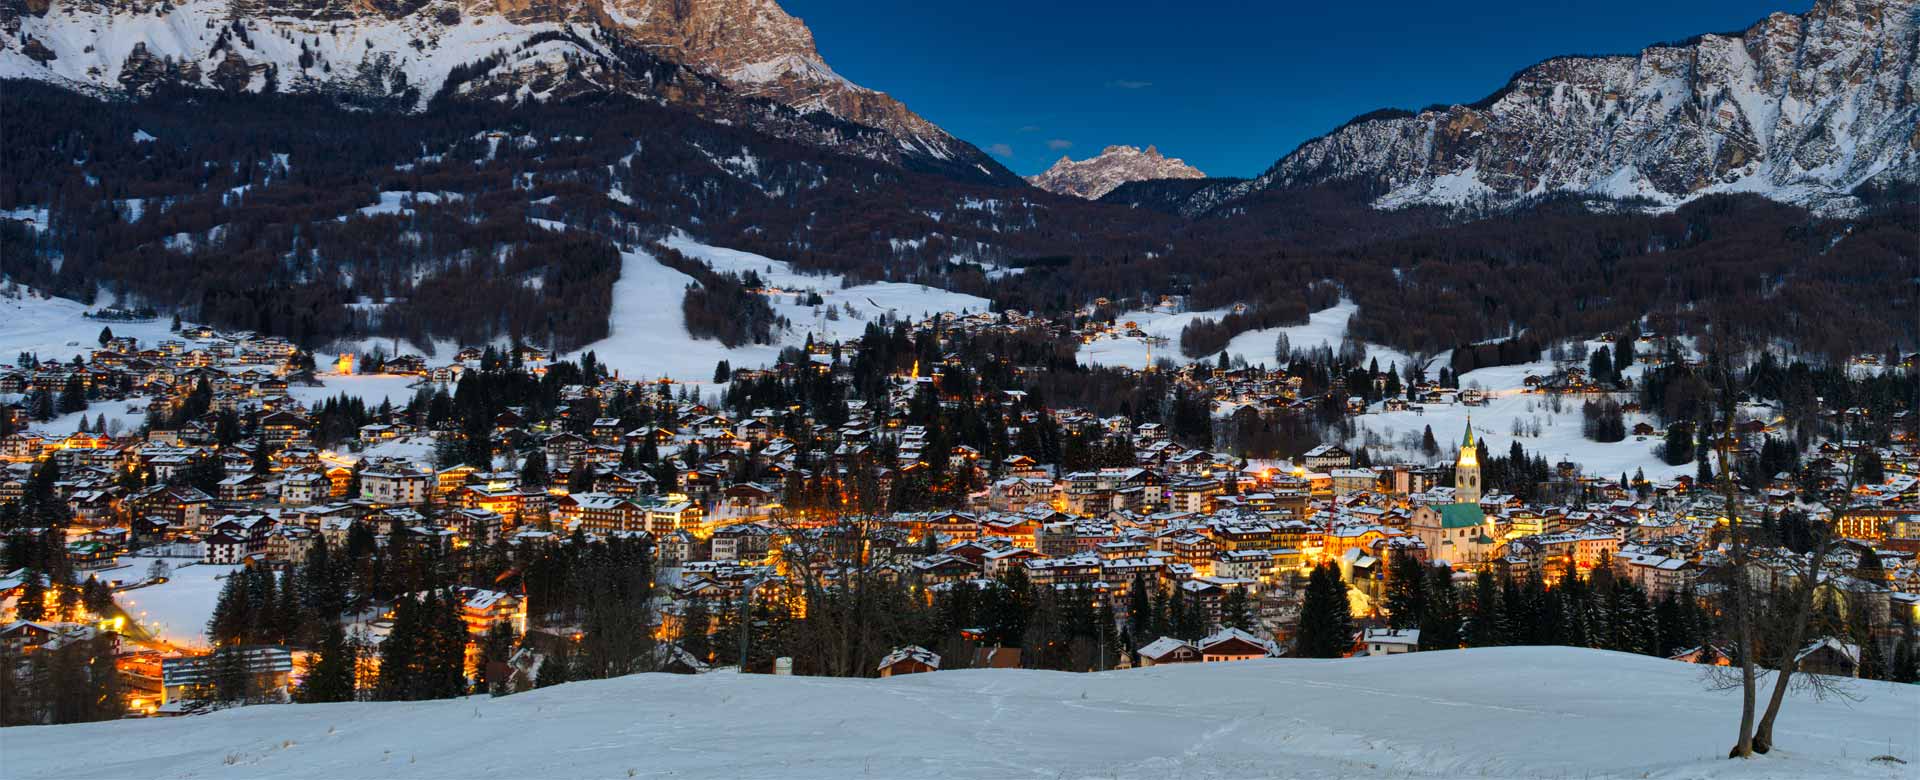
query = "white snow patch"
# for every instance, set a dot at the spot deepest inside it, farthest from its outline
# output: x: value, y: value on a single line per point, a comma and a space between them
x: 177, y: 610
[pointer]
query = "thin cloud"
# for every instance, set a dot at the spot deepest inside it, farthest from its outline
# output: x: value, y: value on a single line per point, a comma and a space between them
x: 1129, y: 84
x: 1000, y: 150
x: 1059, y: 144
x: 1029, y: 128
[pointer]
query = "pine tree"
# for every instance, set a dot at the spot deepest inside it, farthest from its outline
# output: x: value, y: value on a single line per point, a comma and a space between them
x: 1486, y: 623
x: 330, y: 670
x: 1600, y: 365
x: 724, y: 644
x: 1177, y: 614
x: 1406, y: 592
x: 1326, y: 620
x: 554, y: 670
x: 495, y: 648
x: 694, y: 623
x: 232, y: 680
x: 1440, y: 626
x: 1679, y: 445
x: 17, y: 699
x: 40, y: 404
x: 1236, y: 611
x: 73, y: 397
x: 533, y: 470
x: 1871, y: 469
x: 1906, y: 663
x: 1139, y: 607
x: 230, y: 615
x: 400, y: 654
x: 33, y: 597
x: 447, y: 669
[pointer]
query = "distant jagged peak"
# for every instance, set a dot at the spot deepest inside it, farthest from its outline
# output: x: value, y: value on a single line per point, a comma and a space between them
x: 1114, y: 166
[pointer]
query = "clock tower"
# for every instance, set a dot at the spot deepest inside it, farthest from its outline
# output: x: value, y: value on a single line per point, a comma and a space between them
x: 1466, y: 471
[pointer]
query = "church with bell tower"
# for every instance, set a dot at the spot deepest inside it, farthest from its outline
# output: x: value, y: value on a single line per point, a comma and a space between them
x: 1466, y: 470
x: 1460, y: 532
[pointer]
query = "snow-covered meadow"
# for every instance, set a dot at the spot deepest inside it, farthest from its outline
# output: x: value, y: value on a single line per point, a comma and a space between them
x: 372, y: 388
x: 1512, y: 413
x: 58, y: 328
x: 1327, y: 327
x: 175, y: 611
x: 1534, y: 712
x: 649, y: 333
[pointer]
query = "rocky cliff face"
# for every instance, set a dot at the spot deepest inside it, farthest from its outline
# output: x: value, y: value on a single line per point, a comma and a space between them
x: 1799, y: 108
x: 1094, y: 177
x: 732, y: 60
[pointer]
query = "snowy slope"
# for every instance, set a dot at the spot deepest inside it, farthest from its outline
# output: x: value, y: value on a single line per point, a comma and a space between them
x: 1327, y: 327
x: 177, y: 610
x: 373, y: 388
x: 1158, y: 323
x: 650, y: 338
x: 57, y: 328
x: 1502, y: 713
x: 1397, y: 435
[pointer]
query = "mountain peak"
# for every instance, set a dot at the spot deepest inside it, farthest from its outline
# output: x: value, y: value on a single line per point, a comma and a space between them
x: 1799, y: 108
x: 724, y: 59
x: 1115, y: 165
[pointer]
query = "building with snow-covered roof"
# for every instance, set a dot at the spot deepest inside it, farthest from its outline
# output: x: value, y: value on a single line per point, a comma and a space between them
x: 912, y: 659
x: 1389, y: 641
x: 1168, y: 650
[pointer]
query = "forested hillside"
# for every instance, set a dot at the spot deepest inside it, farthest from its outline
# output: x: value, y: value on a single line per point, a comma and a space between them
x: 473, y: 221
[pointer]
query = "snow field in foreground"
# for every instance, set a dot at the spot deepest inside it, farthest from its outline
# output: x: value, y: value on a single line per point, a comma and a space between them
x: 1497, y: 712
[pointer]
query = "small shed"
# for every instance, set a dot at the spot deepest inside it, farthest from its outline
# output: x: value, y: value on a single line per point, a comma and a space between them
x: 912, y: 659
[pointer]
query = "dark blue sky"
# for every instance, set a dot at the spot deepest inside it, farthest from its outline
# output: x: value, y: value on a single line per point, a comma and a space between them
x: 1229, y: 86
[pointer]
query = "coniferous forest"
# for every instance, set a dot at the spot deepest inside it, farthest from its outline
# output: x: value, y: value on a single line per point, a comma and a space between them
x: 295, y: 216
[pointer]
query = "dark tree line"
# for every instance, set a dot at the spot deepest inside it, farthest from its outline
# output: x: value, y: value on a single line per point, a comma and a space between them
x: 1597, y: 610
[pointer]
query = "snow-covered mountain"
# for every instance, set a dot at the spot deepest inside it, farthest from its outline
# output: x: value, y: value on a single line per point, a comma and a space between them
x: 742, y: 61
x: 1115, y: 165
x: 1506, y: 712
x: 1799, y: 108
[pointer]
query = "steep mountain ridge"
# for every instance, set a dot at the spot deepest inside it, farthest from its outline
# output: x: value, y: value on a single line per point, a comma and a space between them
x: 744, y: 61
x: 1096, y: 176
x: 1798, y: 108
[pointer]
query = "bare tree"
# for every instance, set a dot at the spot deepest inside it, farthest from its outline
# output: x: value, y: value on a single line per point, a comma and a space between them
x: 855, y: 610
x: 1808, y: 573
x: 1738, y: 610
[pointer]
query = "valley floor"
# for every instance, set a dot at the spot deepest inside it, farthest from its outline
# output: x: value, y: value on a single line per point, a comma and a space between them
x: 1501, y: 712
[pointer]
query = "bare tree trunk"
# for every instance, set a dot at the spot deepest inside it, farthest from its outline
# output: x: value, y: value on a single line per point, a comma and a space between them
x: 1788, y: 661
x: 1740, y: 556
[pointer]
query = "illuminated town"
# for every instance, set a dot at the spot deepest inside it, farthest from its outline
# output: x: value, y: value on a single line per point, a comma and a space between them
x: 231, y: 539
x: 816, y: 389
